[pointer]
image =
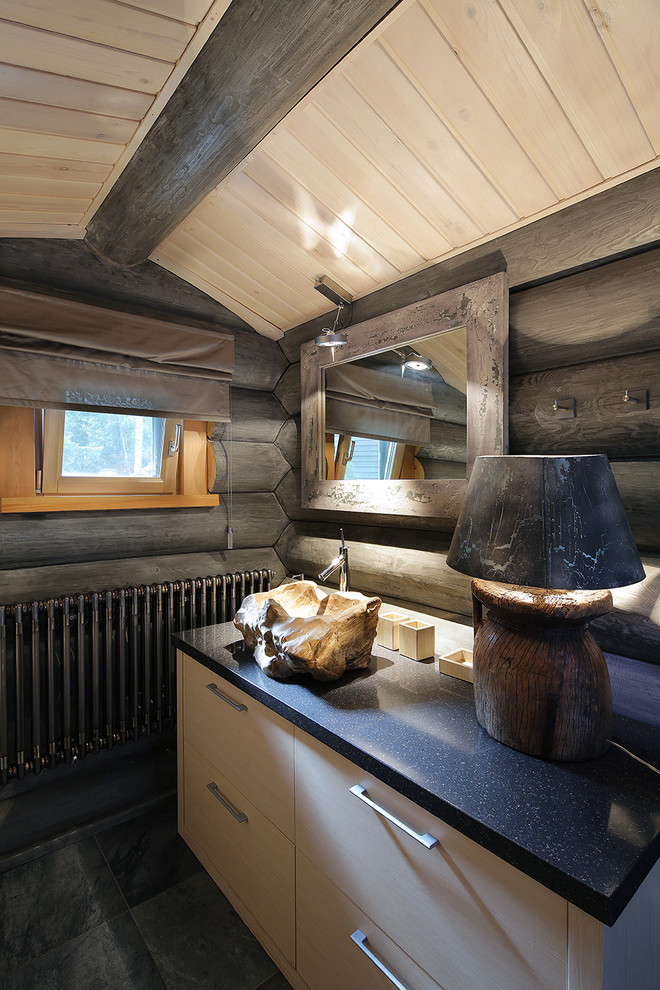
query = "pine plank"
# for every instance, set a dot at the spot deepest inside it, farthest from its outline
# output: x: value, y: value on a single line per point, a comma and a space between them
x: 221, y: 272
x: 189, y: 11
x: 201, y: 36
x: 55, y: 146
x: 498, y: 61
x: 630, y: 31
x: 68, y: 123
x: 19, y: 83
x: 36, y: 49
x: 329, y: 187
x: 104, y: 22
x: 366, y: 164
x: 344, y: 108
x: 47, y: 204
x: 13, y: 217
x: 301, y: 234
x: 226, y: 240
x: 394, y: 98
x: 429, y: 61
x: 331, y: 227
x: 42, y: 230
x: 258, y: 63
x: 268, y: 241
x: 253, y: 319
x: 563, y: 41
x: 53, y: 168
x: 61, y: 188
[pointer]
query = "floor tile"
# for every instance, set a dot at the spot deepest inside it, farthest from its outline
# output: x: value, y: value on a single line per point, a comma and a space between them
x: 276, y: 982
x: 111, y: 957
x: 52, y: 900
x: 146, y: 854
x: 198, y: 941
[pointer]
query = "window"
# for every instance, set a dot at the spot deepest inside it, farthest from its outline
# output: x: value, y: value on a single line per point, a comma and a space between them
x: 367, y: 459
x: 97, y: 453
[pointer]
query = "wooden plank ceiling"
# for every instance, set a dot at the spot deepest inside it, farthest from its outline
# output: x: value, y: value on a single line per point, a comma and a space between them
x: 448, y: 125
x: 78, y: 81
x: 451, y: 123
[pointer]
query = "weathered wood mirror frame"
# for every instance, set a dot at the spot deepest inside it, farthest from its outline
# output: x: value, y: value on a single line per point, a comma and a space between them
x: 483, y: 309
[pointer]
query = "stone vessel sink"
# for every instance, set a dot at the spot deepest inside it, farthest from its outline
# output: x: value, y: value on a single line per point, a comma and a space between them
x: 298, y: 629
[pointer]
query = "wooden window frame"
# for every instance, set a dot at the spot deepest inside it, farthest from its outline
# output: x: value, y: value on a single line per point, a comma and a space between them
x: 55, y: 483
x: 18, y: 492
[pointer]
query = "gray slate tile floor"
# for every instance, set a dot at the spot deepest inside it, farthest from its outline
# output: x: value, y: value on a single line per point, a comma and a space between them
x: 127, y: 909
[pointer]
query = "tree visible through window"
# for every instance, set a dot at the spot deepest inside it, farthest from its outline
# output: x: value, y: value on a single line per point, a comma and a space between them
x: 107, y: 445
x: 109, y: 453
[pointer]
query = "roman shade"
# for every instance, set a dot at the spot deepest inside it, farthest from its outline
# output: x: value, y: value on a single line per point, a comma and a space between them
x: 366, y: 402
x: 57, y: 353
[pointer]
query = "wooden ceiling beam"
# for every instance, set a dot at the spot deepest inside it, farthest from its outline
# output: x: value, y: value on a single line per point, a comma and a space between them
x: 261, y: 59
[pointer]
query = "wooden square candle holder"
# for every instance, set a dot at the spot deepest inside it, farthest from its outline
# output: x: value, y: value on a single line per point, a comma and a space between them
x: 416, y: 640
x: 387, y: 632
x: 458, y: 663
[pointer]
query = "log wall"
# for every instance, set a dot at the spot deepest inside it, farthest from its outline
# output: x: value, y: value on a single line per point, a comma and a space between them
x: 69, y: 552
x: 586, y: 336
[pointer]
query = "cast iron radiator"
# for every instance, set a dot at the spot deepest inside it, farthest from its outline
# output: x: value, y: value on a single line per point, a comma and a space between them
x: 85, y: 673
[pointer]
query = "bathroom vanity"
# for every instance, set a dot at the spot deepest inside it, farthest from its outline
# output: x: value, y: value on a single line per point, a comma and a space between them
x: 371, y: 834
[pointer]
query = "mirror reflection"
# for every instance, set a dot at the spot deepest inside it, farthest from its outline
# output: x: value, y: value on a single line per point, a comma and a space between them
x: 398, y: 414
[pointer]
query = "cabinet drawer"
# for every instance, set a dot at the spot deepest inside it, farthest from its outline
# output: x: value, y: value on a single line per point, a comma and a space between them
x: 467, y: 918
x: 250, y: 745
x: 253, y: 856
x: 327, y: 956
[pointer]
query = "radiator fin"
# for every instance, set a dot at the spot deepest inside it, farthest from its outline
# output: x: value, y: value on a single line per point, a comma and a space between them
x: 84, y: 673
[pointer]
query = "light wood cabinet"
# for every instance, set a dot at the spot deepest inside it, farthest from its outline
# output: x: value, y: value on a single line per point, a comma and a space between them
x: 438, y: 915
x: 468, y: 918
x: 250, y: 745
x: 236, y: 801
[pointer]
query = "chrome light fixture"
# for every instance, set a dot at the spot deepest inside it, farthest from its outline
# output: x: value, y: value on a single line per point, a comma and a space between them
x: 334, y: 336
x: 411, y: 359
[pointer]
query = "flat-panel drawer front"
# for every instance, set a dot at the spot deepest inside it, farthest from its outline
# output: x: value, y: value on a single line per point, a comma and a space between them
x: 468, y: 919
x: 253, y: 856
x: 338, y: 946
x: 247, y: 743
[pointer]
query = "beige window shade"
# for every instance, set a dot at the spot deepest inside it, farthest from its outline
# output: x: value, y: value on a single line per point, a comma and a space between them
x: 367, y: 403
x: 57, y: 353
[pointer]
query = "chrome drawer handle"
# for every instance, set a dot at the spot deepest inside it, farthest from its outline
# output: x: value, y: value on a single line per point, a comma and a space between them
x: 360, y: 940
x: 213, y: 688
x: 427, y: 840
x: 238, y: 815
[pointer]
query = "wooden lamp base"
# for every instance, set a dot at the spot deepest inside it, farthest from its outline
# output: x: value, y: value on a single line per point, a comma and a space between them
x: 541, y: 683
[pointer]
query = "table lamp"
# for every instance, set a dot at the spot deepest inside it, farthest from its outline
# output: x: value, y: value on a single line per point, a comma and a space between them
x: 543, y: 538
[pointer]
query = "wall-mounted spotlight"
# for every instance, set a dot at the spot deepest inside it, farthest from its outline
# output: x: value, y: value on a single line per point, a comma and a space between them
x: 411, y: 359
x: 334, y: 336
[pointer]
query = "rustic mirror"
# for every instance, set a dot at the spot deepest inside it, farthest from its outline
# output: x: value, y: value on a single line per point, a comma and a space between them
x: 394, y: 422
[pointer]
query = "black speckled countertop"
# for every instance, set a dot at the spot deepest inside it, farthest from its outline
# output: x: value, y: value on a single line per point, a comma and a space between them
x: 589, y: 831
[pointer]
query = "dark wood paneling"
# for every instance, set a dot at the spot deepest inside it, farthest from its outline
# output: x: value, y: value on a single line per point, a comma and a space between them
x: 70, y: 537
x: 260, y: 60
x: 639, y: 486
x: 256, y: 416
x: 604, y: 423
x: 26, y: 584
x: 587, y: 317
x: 448, y: 443
x: 288, y: 440
x: 70, y: 269
x: 619, y: 221
x: 412, y: 573
x: 288, y: 389
x: 259, y: 362
x: 255, y: 467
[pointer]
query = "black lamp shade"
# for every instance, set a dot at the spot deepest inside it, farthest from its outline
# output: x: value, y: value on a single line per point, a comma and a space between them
x: 545, y: 522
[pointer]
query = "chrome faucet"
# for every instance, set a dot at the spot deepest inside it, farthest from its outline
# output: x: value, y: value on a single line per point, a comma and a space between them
x: 340, y: 562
